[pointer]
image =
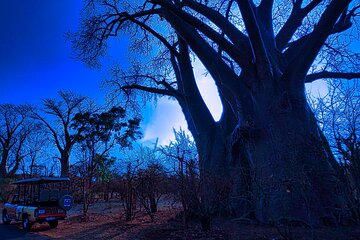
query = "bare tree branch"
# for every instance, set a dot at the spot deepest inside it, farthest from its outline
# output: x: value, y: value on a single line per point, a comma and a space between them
x: 148, y: 89
x: 325, y: 74
x: 230, y: 49
x: 258, y: 47
x: 294, y: 22
x: 235, y: 35
x: 299, y: 66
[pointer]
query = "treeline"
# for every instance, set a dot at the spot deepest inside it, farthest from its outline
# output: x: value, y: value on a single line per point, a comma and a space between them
x: 142, y: 177
x: 105, y: 163
x: 57, y: 128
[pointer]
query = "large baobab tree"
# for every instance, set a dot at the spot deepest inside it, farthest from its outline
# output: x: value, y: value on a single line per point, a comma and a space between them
x: 266, y: 157
x: 57, y: 116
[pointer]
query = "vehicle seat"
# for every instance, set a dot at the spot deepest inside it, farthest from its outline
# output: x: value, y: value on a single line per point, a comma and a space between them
x: 44, y: 196
x: 54, y: 195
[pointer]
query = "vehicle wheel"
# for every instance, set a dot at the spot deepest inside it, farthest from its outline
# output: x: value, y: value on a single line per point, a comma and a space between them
x: 26, y: 223
x: 5, y: 217
x: 53, y: 224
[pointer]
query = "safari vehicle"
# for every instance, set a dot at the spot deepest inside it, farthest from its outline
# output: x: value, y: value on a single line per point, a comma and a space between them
x: 44, y: 199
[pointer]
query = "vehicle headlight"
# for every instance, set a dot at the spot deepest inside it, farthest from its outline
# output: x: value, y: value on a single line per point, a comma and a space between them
x: 41, y: 211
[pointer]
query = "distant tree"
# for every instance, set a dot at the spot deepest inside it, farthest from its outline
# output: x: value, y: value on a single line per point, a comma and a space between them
x: 57, y: 116
x: 183, y: 154
x: 88, y: 174
x: 15, y: 128
x: 150, y: 187
x: 134, y: 162
x: 129, y: 184
x: 36, y: 149
x: 180, y: 151
x: 267, y: 145
x: 98, y: 134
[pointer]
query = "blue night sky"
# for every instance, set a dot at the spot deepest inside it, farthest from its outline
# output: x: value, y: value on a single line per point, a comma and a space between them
x: 35, y: 61
x: 35, y: 58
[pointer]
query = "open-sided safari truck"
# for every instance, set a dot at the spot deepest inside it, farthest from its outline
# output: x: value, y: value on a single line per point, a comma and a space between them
x: 44, y: 199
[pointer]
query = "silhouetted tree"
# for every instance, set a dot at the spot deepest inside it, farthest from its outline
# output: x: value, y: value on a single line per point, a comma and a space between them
x: 150, y: 187
x: 267, y: 151
x: 98, y: 134
x: 57, y: 116
x: 36, y: 149
x: 129, y: 184
x: 183, y: 155
x: 15, y: 128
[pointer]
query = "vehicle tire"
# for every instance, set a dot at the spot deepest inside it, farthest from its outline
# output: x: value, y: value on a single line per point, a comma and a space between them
x: 53, y: 223
x: 5, y: 217
x: 26, y: 223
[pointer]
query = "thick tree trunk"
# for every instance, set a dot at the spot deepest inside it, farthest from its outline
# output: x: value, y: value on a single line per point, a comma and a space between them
x: 153, y: 204
x: 273, y: 167
x: 4, y: 158
x: 293, y: 178
x: 3, y: 171
x: 65, y: 167
x: 215, y: 183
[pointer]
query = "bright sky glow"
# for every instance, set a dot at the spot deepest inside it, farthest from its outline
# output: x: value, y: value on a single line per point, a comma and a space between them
x: 166, y: 116
x: 208, y: 90
x: 317, y: 89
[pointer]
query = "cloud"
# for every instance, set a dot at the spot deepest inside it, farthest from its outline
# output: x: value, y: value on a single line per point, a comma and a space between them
x: 166, y: 116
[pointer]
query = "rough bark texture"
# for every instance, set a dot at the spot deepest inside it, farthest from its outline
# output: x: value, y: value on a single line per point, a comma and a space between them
x: 3, y: 171
x: 65, y: 166
x: 293, y: 178
x: 273, y: 167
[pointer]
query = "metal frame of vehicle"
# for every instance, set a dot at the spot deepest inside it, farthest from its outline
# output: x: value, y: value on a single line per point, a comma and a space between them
x: 44, y: 199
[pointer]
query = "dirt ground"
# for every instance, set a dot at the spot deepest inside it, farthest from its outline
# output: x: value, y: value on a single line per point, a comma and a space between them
x: 107, y: 221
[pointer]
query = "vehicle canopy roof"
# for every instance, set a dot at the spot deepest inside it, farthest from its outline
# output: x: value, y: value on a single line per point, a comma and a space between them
x: 42, y: 180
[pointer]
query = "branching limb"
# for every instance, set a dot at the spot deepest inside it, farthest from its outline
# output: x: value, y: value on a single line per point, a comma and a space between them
x: 325, y: 74
x: 294, y: 22
x: 343, y: 24
x: 224, y: 44
x: 299, y: 66
x: 219, y: 70
x: 194, y: 107
x: 155, y: 34
x: 163, y: 92
x: 168, y: 90
x: 265, y: 14
x: 235, y: 35
x: 258, y: 47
